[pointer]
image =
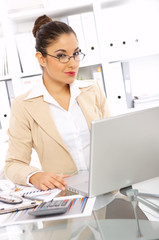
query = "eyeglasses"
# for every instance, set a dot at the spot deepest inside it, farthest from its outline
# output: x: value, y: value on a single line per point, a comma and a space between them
x: 77, y: 56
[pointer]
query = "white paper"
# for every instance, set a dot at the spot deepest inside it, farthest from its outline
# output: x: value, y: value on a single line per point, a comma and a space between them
x: 22, y: 217
x: 36, y: 193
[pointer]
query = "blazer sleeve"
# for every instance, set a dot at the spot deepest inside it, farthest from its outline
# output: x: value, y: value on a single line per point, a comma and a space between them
x: 19, y: 146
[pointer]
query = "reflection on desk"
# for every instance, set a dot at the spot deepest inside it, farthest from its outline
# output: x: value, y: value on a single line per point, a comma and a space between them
x: 122, y: 229
x: 149, y: 186
x: 82, y: 229
x: 110, y: 222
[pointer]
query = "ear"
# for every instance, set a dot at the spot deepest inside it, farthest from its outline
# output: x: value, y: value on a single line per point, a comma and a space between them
x: 40, y: 59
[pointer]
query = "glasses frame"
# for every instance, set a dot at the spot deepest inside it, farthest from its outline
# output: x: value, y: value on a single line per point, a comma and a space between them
x: 69, y: 57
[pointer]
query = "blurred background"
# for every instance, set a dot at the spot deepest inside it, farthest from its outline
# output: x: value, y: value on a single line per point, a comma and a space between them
x: 119, y: 37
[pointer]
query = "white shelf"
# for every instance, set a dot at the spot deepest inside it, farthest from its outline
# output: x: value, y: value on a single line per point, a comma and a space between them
x: 29, y: 74
x: 112, y: 22
x: 5, y: 78
x: 133, y: 57
x: 54, y: 10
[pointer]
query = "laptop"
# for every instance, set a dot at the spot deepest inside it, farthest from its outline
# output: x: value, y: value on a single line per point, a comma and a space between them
x: 124, y: 150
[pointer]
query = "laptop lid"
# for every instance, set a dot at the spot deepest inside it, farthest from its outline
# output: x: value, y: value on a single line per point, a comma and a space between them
x: 124, y: 150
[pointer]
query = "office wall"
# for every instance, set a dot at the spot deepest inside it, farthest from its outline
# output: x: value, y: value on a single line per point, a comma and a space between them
x: 128, y: 32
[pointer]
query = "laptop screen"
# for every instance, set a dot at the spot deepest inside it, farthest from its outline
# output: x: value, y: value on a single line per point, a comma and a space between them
x: 124, y: 150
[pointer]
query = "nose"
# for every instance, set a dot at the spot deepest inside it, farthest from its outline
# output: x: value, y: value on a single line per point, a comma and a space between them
x: 72, y: 62
x: 72, y: 58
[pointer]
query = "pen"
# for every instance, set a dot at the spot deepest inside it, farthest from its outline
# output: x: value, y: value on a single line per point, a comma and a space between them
x: 32, y: 198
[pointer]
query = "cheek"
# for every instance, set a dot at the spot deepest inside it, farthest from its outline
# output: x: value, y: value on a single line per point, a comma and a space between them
x: 55, y: 67
x: 59, y: 68
x: 78, y: 63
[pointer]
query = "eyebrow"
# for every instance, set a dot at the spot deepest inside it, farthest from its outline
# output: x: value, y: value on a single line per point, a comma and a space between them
x: 63, y: 50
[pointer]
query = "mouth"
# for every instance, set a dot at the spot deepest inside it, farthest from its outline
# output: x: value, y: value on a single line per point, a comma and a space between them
x: 72, y: 74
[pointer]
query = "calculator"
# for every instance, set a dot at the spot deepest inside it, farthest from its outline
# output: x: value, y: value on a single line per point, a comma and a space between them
x: 53, y: 207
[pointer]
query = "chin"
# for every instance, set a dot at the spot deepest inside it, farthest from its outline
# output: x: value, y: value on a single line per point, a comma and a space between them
x: 70, y: 80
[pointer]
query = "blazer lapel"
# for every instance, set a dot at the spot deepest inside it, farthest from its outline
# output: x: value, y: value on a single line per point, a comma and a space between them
x: 39, y: 110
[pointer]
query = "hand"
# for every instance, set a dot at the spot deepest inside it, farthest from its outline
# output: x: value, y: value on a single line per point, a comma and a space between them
x: 47, y: 180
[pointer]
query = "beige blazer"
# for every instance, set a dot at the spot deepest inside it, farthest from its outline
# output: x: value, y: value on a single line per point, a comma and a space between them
x: 32, y: 126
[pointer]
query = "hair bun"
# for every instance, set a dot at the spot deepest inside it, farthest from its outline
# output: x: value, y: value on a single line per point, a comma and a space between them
x: 39, y: 22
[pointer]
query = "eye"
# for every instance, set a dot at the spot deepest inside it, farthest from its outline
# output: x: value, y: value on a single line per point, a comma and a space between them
x: 61, y: 55
x: 76, y: 53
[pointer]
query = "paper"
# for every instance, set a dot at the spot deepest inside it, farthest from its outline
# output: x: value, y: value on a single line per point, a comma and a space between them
x: 36, y: 193
x: 8, y: 208
x: 29, y: 195
x: 80, y: 207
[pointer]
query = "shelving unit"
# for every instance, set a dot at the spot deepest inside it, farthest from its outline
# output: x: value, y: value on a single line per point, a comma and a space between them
x: 120, y: 40
x: 111, y: 33
x: 131, y: 42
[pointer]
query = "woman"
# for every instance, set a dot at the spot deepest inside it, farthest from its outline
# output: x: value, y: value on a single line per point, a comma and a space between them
x: 54, y: 117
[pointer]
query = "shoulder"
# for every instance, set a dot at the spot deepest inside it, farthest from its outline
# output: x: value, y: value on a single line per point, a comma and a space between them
x: 19, y: 100
x: 85, y: 85
x: 90, y: 86
x: 22, y: 96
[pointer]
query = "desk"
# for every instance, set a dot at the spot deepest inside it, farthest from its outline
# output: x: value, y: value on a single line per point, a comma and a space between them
x: 112, y: 222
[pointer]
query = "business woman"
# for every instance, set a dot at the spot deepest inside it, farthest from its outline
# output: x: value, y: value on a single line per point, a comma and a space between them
x: 54, y: 117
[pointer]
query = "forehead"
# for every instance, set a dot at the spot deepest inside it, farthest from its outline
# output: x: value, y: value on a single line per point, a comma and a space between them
x: 66, y: 42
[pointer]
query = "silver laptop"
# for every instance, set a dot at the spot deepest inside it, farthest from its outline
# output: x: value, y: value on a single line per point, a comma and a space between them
x: 124, y: 151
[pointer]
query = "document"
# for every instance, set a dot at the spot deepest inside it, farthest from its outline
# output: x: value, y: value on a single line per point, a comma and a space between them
x: 33, y: 193
x: 30, y: 196
x: 14, y: 214
x: 8, y: 208
x: 80, y: 207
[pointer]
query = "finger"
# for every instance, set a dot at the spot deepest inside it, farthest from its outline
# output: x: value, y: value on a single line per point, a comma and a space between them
x: 50, y: 185
x: 43, y: 187
x: 58, y: 184
x: 59, y: 179
x: 64, y: 175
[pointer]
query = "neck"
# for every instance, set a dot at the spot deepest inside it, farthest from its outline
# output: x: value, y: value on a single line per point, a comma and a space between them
x: 60, y: 92
x: 57, y: 89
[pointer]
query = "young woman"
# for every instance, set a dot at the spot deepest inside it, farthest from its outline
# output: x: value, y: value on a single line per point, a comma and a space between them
x: 54, y: 117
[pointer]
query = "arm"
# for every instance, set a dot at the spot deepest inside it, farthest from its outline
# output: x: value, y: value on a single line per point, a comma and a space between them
x: 17, y: 167
x: 20, y: 145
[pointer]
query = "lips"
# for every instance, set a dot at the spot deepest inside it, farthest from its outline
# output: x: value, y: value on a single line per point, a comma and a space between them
x: 72, y: 74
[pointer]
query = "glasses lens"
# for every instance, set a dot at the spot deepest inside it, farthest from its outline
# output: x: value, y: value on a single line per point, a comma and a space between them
x: 79, y: 57
x: 64, y: 59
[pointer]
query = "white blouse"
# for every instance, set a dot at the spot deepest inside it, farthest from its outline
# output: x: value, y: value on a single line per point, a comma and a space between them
x: 71, y: 124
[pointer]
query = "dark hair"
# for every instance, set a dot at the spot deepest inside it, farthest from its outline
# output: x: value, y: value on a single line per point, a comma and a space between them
x: 46, y: 31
